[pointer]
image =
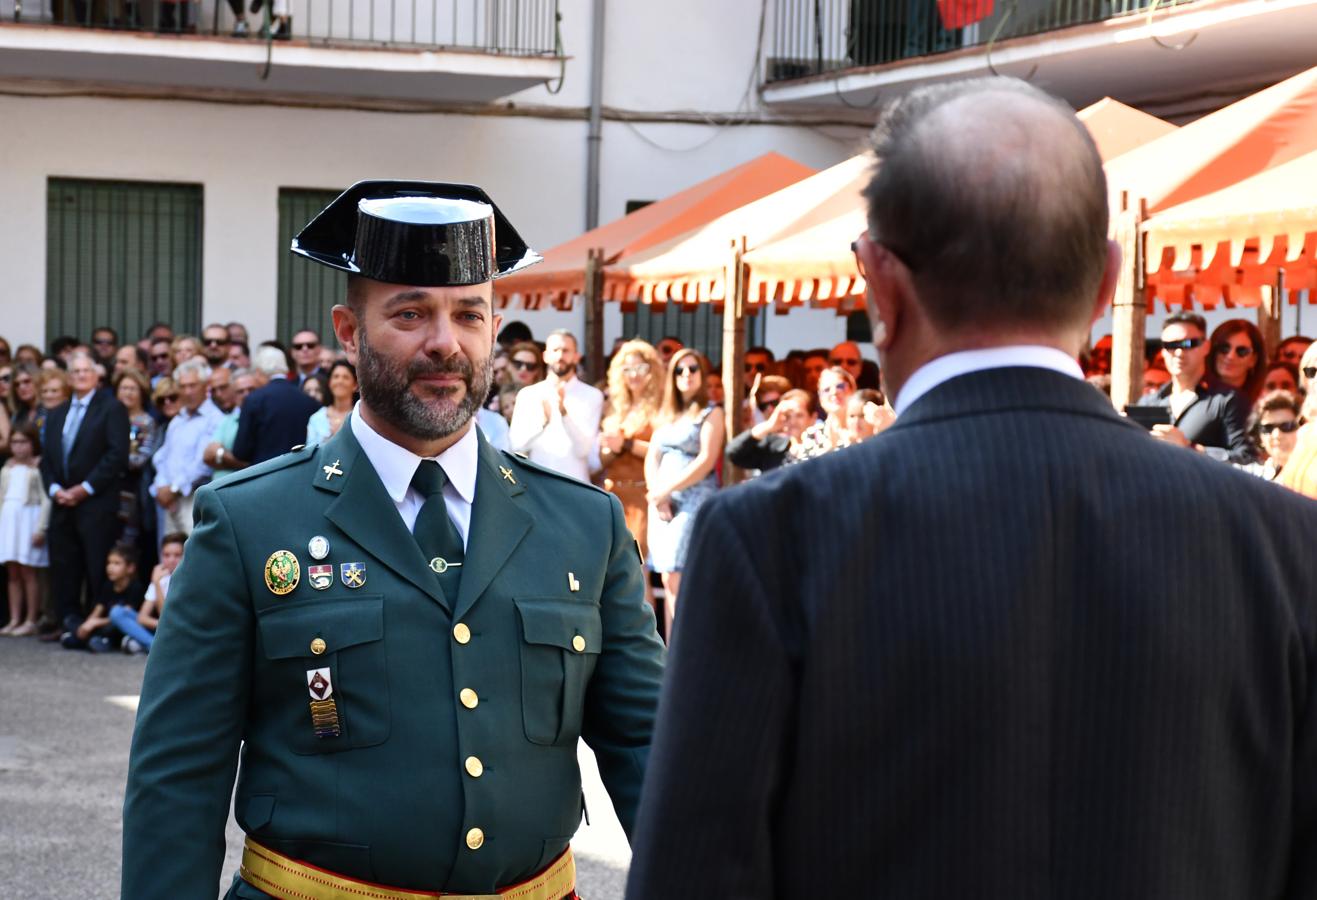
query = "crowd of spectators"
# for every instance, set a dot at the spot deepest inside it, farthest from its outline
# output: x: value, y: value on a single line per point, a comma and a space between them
x: 105, y: 445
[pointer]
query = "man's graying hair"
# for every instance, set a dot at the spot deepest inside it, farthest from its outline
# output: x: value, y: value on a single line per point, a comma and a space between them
x: 1001, y: 217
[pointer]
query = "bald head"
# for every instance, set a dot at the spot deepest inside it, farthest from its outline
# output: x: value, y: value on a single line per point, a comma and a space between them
x: 993, y: 194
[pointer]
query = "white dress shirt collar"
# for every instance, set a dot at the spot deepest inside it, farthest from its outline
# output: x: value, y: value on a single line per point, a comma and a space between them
x: 396, y: 465
x: 944, y: 368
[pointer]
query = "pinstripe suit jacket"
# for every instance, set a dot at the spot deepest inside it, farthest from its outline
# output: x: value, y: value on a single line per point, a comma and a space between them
x: 1010, y: 648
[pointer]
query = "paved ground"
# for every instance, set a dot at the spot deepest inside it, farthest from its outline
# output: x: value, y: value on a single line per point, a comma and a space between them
x: 66, y: 720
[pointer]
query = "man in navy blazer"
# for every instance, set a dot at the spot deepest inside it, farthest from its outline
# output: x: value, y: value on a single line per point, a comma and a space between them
x: 84, y: 456
x: 273, y: 419
x: 1012, y: 647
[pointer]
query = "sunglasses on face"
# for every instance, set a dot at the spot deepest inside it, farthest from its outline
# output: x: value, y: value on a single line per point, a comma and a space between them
x: 756, y: 367
x: 311, y: 345
x: 1310, y: 372
x: 687, y: 370
x: 766, y: 405
x: 218, y: 342
x: 633, y: 371
x: 1243, y: 351
x: 1283, y: 427
x: 169, y: 398
x: 1186, y: 344
x: 523, y: 365
x: 6, y: 378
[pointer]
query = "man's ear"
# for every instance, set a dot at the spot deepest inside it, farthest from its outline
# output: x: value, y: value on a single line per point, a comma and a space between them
x: 885, y: 292
x: 345, y: 329
x: 1107, y: 287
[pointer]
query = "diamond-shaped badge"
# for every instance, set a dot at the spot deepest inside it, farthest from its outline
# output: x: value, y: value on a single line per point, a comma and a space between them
x: 318, y: 683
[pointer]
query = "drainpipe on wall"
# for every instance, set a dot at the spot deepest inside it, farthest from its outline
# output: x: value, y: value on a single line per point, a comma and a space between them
x: 594, y: 301
x: 595, y: 136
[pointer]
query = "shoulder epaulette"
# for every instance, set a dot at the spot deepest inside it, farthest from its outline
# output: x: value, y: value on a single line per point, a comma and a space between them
x: 278, y: 463
x: 524, y: 462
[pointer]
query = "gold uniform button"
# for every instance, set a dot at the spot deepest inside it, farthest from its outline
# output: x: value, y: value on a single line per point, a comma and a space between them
x: 474, y: 767
x: 578, y: 644
x: 469, y: 698
x: 475, y: 838
x: 318, y: 646
x: 461, y: 633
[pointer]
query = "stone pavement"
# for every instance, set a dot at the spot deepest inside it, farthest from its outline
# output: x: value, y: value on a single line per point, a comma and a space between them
x: 66, y: 721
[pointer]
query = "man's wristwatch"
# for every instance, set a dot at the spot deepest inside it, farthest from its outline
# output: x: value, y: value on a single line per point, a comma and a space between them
x: 219, y: 456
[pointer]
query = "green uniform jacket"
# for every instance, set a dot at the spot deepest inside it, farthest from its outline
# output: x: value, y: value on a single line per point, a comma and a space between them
x: 390, y: 800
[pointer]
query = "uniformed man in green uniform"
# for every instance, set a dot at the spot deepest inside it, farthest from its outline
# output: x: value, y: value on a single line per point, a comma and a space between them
x: 406, y: 630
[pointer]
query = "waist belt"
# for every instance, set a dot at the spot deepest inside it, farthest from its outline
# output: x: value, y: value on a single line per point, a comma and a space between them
x: 290, y: 879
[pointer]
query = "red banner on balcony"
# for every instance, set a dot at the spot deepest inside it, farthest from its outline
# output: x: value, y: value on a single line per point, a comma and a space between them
x: 959, y: 13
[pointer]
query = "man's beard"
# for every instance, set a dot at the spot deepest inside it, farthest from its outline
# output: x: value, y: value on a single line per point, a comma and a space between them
x: 386, y: 389
x: 561, y: 369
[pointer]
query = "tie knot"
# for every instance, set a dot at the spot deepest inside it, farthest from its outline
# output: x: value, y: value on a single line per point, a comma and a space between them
x: 429, y: 478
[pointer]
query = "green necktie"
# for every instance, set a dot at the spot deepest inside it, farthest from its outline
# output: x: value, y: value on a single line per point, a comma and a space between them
x: 435, y: 532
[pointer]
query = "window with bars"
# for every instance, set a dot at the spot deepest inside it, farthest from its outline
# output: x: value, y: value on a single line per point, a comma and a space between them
x: 307, y: 290
x: 123, y: 254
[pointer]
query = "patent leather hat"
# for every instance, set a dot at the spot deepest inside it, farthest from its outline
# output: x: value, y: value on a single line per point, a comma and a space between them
x: 424, y: 233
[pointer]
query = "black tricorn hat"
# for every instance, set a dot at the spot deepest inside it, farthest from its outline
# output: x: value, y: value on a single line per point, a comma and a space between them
x: 424, y: 233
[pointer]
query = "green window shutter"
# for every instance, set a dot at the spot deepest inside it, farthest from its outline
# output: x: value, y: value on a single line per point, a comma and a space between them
x: 124, y: 254
x: 307, y: 290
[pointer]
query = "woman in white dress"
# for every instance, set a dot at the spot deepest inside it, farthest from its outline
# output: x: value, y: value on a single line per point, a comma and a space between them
x: 24, y: 514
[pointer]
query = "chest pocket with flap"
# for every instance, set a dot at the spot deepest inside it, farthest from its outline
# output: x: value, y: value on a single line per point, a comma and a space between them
x: 561, y: 643
x: 352, y: 632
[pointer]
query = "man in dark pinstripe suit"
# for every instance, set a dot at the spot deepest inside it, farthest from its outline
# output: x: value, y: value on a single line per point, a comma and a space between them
x: 1068, y: 661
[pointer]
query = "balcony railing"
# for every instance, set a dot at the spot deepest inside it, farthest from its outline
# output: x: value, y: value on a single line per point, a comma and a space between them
x: 812, y: 37
x: 508, y: 27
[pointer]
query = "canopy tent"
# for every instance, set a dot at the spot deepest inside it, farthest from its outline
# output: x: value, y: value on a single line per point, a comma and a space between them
x: 1263, y: 130
x: 692, y: 267
x: 562, y: 274
x: 1118, y: 129
x: 814, y: 262
x: 1229, y: 246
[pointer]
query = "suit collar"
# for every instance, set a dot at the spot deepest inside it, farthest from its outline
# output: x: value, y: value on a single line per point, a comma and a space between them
x: 1007, y: 389
x: 944, y: 368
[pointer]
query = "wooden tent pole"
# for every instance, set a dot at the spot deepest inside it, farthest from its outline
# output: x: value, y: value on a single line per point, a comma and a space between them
x: 1269, y: 312
x: 594, y: 315
x: 1129, y: 309
x: 734, y: 350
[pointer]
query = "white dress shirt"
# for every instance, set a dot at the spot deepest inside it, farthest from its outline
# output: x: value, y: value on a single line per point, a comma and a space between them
x: 944, y: 368
x: 396, y: 465
x: 562, y: 443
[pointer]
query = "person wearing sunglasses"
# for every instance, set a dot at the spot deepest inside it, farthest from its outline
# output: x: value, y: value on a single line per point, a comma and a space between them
x: 635, y: 390
x: 759, y: 362
x: 1010, y: 647
x: 680, y: 469
x: 1238, y: 358
x: 1308, y: 371
x: 104, y: 343
x: 305, y: 348
x: 1203, y: 414
x: 1274, y: 428
x: 774, y: 442
x: 215, y: 344
x: 835, y: 388
x: 161, y: 359
x: 526, y: 363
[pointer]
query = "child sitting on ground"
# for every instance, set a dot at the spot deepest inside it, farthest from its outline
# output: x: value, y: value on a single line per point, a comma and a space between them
x: 122, y: 588
x: 138, y: 626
